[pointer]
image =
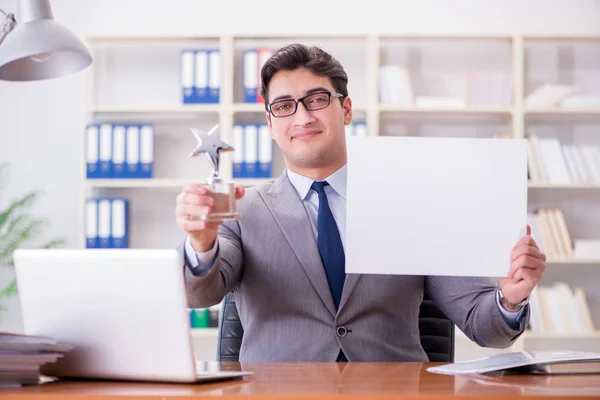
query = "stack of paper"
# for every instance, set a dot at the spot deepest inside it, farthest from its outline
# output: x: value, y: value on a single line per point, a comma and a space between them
x: 21, y: 357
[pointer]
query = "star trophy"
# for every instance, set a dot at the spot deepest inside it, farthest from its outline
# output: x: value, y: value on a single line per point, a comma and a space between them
x: 222, y: 192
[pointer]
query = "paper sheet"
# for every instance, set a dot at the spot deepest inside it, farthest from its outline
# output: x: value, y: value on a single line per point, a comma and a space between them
x: 434, y: 206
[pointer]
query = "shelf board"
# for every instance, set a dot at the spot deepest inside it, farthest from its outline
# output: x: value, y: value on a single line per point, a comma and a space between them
x: 249, y: 107
x: 136, y: 183
x: 164, y: 183
x: 183, y: 109
x: 562, y: 111
x: 564, y: 186
x: 205, y: 332
x: 445, y: 110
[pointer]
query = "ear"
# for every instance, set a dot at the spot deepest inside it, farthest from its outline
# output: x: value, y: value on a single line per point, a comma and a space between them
x: 269, y: 124
x: 347, y: 109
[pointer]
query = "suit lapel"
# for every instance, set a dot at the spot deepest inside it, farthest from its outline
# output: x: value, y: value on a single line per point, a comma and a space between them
x: 294, y: 222
x: 349, y: 284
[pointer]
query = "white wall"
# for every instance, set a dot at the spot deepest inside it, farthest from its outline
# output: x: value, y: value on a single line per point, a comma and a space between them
x: 41, y: 122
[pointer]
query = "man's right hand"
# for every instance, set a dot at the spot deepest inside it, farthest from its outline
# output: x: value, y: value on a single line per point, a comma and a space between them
x: 196, y: 200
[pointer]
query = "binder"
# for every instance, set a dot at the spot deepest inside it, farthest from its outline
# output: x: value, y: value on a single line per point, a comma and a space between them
x: 104, y: 210
x: 92, y: 151
x: 265, y: 151
x: 132, y: 160
x: 187, y: 76
x: 146, y: 151
x: 251, y: 151
x: 105, y: 154
x: 238, y: 154
x: 118, y: 152
x: 263, y: 55
x: 250, y: 76
x: 91, y: 224
x: 214, y: 74
x: 201, y: 77
x: 119, y: 223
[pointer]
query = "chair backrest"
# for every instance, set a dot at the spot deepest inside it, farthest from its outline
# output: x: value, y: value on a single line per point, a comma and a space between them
x: 436, y: 331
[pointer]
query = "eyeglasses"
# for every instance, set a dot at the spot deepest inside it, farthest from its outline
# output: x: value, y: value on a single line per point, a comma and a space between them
x: 312, y: 102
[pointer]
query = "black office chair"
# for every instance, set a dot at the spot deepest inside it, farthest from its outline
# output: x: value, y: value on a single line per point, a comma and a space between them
x: 436, y: 331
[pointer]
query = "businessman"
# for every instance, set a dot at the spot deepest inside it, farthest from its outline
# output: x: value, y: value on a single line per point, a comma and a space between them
x: 284, y: 259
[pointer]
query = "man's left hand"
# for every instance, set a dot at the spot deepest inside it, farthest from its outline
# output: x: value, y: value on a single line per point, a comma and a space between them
x: 527, y: 265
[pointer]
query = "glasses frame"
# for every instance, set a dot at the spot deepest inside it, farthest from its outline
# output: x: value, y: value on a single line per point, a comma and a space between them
x: 301, y: 100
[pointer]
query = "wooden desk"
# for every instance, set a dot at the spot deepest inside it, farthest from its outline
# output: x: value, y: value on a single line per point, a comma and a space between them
x: 327, y: 381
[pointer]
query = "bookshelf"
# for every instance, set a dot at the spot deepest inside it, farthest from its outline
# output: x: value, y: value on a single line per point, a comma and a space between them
x: 118, y: 90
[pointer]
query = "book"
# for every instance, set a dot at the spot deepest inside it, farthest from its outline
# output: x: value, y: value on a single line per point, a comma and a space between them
x: 530, y: 362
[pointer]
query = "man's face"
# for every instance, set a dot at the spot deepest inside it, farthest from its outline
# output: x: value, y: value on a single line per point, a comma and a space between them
x: 309, y: 139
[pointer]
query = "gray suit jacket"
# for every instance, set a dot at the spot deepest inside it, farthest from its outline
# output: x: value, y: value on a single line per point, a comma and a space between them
x: 271, y: 261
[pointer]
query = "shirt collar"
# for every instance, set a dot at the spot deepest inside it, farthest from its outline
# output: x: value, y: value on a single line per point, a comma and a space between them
x: 337, y: 180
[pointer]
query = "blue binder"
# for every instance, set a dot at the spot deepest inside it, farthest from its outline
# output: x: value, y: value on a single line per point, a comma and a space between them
x: 92, y: 151
x: 119, y: 223
x: 250, y: 76
x: 214, y: 76
x: 238, y: 154
x: 146, y: 151
x: 201, y: 77
x: 104, y: 223
x: 105, y: 152
x: 119, y: 151
x: 132, y: 159
x: 187, y: 76
x: 265, y: 152
x: 91, y: 224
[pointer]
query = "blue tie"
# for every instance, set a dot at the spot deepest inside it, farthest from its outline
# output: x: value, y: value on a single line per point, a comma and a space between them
x: 330, y: 245
x: 331, y: 249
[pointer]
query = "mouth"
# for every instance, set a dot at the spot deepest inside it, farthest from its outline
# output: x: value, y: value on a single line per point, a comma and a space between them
x: 306, y: 135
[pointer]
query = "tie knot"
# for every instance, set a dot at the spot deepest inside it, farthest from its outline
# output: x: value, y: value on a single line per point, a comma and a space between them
x: 319, y: 186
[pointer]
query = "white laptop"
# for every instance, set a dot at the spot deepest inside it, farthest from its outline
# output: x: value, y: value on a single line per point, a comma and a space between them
x: 123, y: 310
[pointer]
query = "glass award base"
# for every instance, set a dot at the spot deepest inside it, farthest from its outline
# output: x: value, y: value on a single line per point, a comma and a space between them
x: 223, y: 208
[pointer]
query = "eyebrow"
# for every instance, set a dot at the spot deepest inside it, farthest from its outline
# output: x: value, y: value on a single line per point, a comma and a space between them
x: 309, y: 91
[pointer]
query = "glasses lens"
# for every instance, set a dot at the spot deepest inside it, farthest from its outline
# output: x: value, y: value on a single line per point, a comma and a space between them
x: 317, y: 101
x: 283, y: 108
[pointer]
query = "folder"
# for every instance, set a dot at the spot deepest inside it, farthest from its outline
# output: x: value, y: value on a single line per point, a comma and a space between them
x: 105, y: 154
x: 132, y: 160
x: 201, y: 77
x: 265, y: 151
x: 104, y: 210
x: 119, y: 223
x: 92, y: 151
x: 250, y: 76
x: 251, y: 150
x: 187, y: 76
x: 214, y: 76
x: 118, y: 152
x: 91, y: 224
x: 146, y: 151
x: 263, y: 55
x: 238, y: 154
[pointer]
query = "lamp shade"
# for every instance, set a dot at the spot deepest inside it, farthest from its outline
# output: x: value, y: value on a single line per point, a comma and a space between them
x: 41, y: 49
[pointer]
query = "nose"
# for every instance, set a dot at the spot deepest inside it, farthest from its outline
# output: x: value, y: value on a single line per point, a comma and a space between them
x: 303, y: 117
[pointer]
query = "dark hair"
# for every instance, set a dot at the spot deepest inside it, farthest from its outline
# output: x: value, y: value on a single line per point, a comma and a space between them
x: 313, y: 58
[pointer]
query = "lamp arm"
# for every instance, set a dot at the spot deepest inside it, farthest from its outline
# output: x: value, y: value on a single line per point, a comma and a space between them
x: 7, y: 25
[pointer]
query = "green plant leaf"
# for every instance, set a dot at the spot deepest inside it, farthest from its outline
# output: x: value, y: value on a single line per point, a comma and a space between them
x: 31, y: 230
x: 24, y: 202
x: 10, y: 290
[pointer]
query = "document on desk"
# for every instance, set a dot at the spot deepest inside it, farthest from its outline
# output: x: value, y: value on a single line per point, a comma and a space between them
x: 434, y: 206
x: 535, y: 362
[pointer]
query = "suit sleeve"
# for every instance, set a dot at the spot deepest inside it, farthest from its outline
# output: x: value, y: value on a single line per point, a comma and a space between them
x: 471, y: 304
x: 207, y: 287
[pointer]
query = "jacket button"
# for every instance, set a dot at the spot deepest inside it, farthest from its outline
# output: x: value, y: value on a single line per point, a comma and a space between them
x: 342, y: 331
